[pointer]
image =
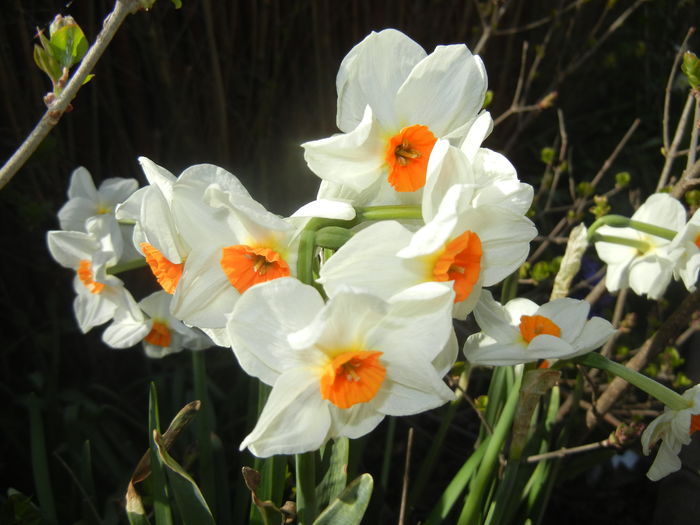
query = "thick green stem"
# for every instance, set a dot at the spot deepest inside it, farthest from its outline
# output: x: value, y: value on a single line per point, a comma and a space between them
x: 126, y: 266
x: 204, y: 430
x: 641, y: 246
x: 306, y: 487
x: 668, y: 397
x: 654, y: 230
x: 387, y: 213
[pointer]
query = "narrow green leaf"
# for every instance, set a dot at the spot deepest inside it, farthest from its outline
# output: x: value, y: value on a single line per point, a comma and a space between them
x: 334, y: 462
x: 349, y: 507
x: 40, y: 464
x: 161, y: 502
x: 135, y: 512
x: 193, y: 508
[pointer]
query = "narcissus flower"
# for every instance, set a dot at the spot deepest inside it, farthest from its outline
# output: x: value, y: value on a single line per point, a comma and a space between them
x: 647, y: 271
x: 674, y: 428
x: 464, y: 246
x: 100, y: 297
x: 394, y: 102
x: 522, y: 332
x: 684, y: 250
x: 167, y: 335
x: 234, y: 243
x: 85, y: 201
x: 337, y: 369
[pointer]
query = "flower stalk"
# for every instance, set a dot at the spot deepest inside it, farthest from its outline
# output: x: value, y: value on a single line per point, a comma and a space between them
x: 667, y: 396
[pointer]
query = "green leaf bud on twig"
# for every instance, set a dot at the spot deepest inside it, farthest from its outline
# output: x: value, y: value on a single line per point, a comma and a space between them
x: 691, y: 68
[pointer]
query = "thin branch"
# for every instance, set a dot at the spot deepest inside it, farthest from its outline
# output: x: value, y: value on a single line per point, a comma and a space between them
x: 689, y: 179
x: 671, y: 152
x: 540, y: 22
x: 562, y: 452
x: 669, y: 84
x: 122, y: 8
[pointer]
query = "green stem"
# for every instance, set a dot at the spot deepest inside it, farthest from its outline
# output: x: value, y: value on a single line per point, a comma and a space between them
x: 668, y: 397
x: 641, y: 246
x: 387, y: 213
x: 619, y: 221
x: 125, y: 266
x: 388, y: 449
x: 652, y: 229
x: 204, y: 431
x: 306, y: 487
x: 473, y: 506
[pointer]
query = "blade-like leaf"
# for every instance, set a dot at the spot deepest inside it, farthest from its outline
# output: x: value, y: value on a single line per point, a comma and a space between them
x: 349, y: 507
x: 193, y: 508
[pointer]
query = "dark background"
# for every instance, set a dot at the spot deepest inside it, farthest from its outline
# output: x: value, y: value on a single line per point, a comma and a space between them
x: 241, y: 84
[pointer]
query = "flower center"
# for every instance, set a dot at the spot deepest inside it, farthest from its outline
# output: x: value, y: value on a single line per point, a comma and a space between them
x: 85, y: 275
x: 533, y: 325
x: 159, y: 334
x: 460, y: 262
x: 407, y: 157
x: 245, y: 266
x: 166, y: 273
x: 697, y: 241
x: 352, y: 377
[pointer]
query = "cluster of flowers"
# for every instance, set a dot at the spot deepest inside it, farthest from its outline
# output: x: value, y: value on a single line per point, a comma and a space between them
x: 347, y: 331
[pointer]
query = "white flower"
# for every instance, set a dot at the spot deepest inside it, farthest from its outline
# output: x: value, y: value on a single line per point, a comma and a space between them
x: 463, y: 245
x: 394, y: 102
x: 166, y: 335
x: 673, y: 428
x: 684, y: 249
x: 337, y: 369
x: 85, y: 201
x: 521, y: 331
x: 100, y: 297
x: 649, y: 272
x: 234, y: 243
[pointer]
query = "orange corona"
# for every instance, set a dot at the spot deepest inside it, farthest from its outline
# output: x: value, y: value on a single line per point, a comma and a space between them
x: 407, y: 156
x: 352, y: 377
x: 533, y: 325
x: 245, y: 266
x: 85, y: 275
x: 460, y: 262
x: 167, y: 273
x: 159, y: 334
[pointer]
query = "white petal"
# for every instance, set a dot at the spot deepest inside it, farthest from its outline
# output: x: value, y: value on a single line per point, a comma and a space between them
x: 371, y: 74
x: 568, y: 314
x: 261, y: 321
x: 354, y: 159
x: 117, y: 189
x: 327, y: 209
x: 494, y: 320
x: 159, y: 177
x: 295, y: 418
x: 595, y: 334
x: 662, y: 210
x: 81, y: 185
x: 158, y: 225
x: 354, y: 422
x: 75, y: 212
x: 650, y: 275
x: 411, y: 387
x: 69, y: 248
x: 368, y: 261
x: 478, y: 131
x: 443, y: 91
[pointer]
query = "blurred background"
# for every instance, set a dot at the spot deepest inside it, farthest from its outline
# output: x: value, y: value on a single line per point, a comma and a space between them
x: 242, y: 84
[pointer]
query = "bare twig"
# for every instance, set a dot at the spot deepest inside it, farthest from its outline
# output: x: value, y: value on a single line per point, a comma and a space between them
x: 669, y: 330
x: 562, y: 452
x: 689, y: 179
x: 669, y: 84
x: 671, y: 152
x: 406, y: 477
x: 122, y: 8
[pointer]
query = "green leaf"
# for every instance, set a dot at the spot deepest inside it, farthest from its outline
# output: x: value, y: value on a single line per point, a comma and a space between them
x: 193, y: 508
x: 349, y: 507
x: 334, y: 462
x: 68, y: 45
x: 161, y: 502
x: 691, y: 68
